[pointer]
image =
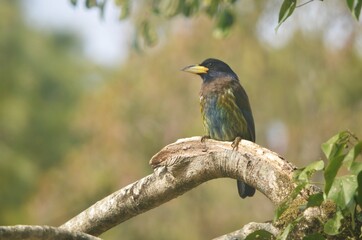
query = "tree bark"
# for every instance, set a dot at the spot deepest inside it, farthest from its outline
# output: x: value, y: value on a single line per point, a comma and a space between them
x: 24, y: 232
x: 247, y: 229
x: 181, y: 166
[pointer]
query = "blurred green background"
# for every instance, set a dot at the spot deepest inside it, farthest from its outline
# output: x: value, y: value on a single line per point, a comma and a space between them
x: 73, y: 130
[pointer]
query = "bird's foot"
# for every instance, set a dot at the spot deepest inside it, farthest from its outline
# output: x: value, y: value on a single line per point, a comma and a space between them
x: 203, y: 138
x: 235, y: 144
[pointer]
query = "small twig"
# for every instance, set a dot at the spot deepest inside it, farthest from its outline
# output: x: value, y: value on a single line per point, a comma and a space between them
x: 301, y: 5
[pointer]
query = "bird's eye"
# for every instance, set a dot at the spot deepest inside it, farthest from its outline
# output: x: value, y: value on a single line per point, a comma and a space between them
x: 210, y: 64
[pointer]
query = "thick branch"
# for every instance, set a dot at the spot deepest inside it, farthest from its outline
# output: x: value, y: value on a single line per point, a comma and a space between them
x: 24, y: 232
x: 182, y: 166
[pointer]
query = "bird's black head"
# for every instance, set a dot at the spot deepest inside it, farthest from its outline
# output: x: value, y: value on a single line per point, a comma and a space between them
x: 211, y: 69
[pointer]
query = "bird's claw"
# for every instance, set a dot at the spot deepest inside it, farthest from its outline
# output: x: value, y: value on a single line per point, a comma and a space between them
x: 235, y: 144
x: 203, y: 138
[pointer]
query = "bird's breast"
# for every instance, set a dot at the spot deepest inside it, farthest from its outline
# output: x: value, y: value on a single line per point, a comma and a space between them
x: 222, y: 118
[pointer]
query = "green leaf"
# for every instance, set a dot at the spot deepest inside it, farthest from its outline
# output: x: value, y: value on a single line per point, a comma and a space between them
x: 286, y: 232
x: 359, y: 189
x: 359, y: 216
x: 350, y: 4
x: 284, y: 235
x: 90, y: 3
x: 314, y: 236
x: 332, y: 225
x: 286, y: 10
x: 149, y: 33
x: 304, y: 174
x: 357, y: 9
x: 211, y: 7
x: 168, y: 8
x: 356, y: 167
x: 315, y: 200
x: 353, y: 153
x: 336, y: 144
x: 343, y: 190
x: 224, y: 22
x: 260, y: 235
x: 331, y: 172
x: 125, y: 6
x: 189, y: 7
x: 285, y: 205
x: 73, y: 2
x: 334, y: 149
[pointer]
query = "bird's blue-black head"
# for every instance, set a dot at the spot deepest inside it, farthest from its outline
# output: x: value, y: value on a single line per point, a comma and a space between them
x: 211, y: 69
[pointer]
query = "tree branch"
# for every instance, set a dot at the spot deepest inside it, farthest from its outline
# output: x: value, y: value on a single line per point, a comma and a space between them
x: 24, y: 232
x: 182, y: 166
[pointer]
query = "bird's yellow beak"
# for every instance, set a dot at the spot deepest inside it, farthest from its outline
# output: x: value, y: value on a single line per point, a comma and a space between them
x: 196, y: 69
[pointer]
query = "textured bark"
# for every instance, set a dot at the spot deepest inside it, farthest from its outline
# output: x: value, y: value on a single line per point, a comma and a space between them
x: 247, y: 229
x: 182, y: 166
x: 24, y: 232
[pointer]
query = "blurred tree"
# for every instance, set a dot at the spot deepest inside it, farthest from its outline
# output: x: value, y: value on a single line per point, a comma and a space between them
x: 41, y: 78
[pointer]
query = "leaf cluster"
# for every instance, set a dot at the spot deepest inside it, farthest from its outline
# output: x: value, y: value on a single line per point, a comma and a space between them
x: 288, y: 7
x: 342, y: 152
x: 222, y: 11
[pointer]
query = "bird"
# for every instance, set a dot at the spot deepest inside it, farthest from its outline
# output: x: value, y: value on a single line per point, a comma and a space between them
x: 225, y: 108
